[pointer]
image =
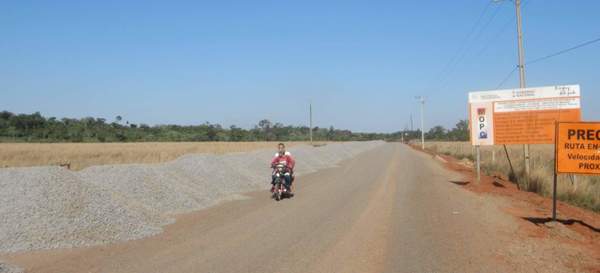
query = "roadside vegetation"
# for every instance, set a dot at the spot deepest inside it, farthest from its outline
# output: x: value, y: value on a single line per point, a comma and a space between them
x: 37, y: 128
x: 579, y: 190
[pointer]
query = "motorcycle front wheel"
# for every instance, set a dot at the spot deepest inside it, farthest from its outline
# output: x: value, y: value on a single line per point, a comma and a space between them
x: 276, y: 191
x: 277, y: 194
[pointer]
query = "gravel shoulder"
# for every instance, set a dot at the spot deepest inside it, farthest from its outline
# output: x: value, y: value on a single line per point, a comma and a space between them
x: 52, y: 207
x: 7, y: 268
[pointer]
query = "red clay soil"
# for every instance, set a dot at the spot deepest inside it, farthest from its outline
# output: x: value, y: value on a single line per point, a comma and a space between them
x: 580, y: 227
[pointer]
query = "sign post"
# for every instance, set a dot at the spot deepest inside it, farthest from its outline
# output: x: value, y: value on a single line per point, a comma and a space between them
x: 554, y: 197
x: 478, y: 148
x: 555, y: 176
x: 512, y: 170
x: 577, y: 151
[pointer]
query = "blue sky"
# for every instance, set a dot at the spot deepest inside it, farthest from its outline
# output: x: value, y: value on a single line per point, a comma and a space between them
x: 236, y: 62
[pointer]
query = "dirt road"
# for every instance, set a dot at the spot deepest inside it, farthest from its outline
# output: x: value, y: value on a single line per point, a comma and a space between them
x: 391, y: 209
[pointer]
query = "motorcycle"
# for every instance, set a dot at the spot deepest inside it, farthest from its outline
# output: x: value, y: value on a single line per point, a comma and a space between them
x: 279, y: 189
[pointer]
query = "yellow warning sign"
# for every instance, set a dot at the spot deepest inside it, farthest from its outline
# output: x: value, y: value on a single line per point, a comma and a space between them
x: 578, y: 147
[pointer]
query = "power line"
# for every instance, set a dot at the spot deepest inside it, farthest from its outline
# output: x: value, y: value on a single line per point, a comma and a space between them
x: 464, y: 41
x: 506, y: 78
x: 464, y: 53
x: 502, y: 30
x: 564, y: 51
x: 488, y: 22
x: 442, y: 77
x: 548, y: 57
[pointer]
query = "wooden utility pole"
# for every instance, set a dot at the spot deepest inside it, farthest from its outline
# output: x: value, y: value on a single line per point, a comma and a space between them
x: 522, y: 83
x: 310, y: 122
x: 422, y: 101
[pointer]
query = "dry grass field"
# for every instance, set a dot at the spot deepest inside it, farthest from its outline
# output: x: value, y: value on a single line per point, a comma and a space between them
x: 81, y: 155
x: 579, y: 190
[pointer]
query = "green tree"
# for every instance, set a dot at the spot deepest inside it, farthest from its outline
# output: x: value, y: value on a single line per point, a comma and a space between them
x: 265, y: 129
x: 437, y: 133
x: 235, y: 133
x: 460, y: 132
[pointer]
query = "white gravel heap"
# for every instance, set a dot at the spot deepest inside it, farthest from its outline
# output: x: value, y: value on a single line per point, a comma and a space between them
x: 7, y: 268
x: 51, y: 207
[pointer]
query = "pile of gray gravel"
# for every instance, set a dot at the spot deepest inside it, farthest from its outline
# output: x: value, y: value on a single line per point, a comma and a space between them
x: 7, y: 268
x: 51, y: 207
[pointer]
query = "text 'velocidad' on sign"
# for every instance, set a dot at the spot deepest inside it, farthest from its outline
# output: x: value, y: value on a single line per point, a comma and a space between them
x: 578, y: 147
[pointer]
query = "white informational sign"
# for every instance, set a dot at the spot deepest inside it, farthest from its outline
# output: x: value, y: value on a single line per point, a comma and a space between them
x: 521, y: 116
x: 482, y: 123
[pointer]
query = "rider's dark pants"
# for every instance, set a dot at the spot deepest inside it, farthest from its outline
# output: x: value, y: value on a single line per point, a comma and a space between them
x: 287, y: 178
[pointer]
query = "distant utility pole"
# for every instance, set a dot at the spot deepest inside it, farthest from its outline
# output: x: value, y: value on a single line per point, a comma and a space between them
x: 522, y: 71
x: 310, y: 122
x: 411, y: 123
x: 422, y: 100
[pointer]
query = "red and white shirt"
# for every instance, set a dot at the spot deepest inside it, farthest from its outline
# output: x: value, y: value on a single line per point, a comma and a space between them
x: 285, y: 159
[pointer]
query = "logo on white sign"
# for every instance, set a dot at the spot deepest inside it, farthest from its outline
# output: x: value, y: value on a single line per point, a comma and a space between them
x: 482, y: 123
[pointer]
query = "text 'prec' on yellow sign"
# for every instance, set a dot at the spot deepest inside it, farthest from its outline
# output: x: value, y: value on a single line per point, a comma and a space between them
x: 578, y: 147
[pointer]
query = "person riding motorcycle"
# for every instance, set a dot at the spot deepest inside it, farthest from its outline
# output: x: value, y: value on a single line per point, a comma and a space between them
x: 284, y: 157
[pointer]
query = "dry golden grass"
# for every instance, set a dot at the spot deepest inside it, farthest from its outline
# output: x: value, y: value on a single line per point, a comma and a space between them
x: 81, y: 155
x: 580, y: 190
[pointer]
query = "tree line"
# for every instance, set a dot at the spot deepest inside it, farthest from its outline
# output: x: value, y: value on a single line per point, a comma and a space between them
x: 460, y: 132
x: 37, y: 128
